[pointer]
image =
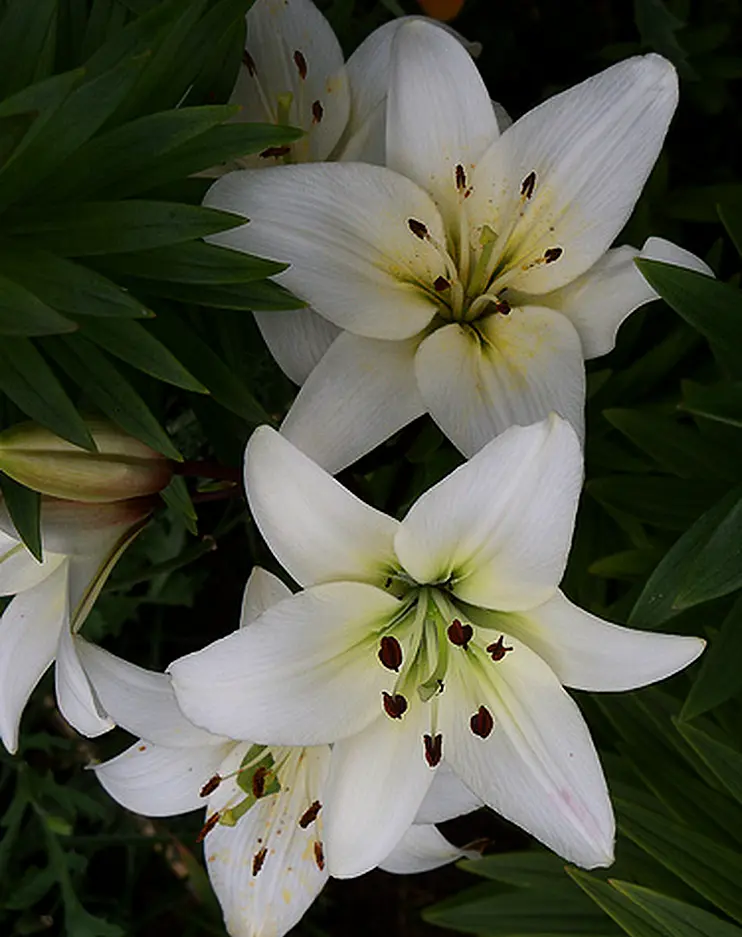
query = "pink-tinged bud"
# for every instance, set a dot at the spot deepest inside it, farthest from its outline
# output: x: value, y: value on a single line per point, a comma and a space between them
x: 121, y: 469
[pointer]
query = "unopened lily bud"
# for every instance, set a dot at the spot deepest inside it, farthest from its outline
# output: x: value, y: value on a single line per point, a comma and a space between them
x: 122, y: 468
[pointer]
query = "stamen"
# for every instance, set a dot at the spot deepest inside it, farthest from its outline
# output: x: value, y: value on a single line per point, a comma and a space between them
x: 433, y: 749
x: 258, y: 859
x: 552, y: 254
x: 310, y: 815
x: 459, y: 634
x: 419, y: 229
x: 528, y: 185
x: 395, y: 705
x: 249, y: 62
x: 301, y: 64
x: 390, y: 653
x: 208, y: 827
x: 275, y: 151
x: 503, y: 307
x: 440, y: 284
x: 210, y: 786
x: 482, y: 723
x: 317, y: 112
x: 460, y: 177
x: 319, y: 855
x: 498, y: 650
x: 259, y: 782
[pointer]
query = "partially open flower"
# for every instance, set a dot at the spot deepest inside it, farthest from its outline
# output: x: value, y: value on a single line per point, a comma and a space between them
x: 122, y: 468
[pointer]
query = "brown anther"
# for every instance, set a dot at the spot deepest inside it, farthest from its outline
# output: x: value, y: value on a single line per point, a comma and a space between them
x: 552, y: 254
x: 482, y: 723
x: 440, y: 284
x: 418, y: 228
x: 249, y: 62
x: 275, y: 151
x: 388, y: 582
x: 319, y: 855
x: 395, y: 705
x: 207, y: 827
x: 317, y: 112
x: 503, y: 307
x: 498, y: 650
x: 259, y: 782
x: 433, y: 749
x: 460, y: 177
x: 310, y: 814
x: 210, y: 786
x: 390, y: 653
x: 301, y: 64
x: 528, y: 185
x: 459, y: 634
x: 258, y: 859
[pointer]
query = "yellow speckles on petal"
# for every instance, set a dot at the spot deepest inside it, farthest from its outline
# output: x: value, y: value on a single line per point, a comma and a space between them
x: 286, y: 895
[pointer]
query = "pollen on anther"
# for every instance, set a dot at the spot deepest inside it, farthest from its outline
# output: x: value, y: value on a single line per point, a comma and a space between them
x: 503, y: 307
x: 207, y: 827
x: 395, y: 705
x: 258, y: 782
x: 301, y: 64
x: 459, y: 634
x: 310, y: 814
x: 528, y: 185
x: 210, y: 786
x: 319, y: 855
x: 497, y: 650
x: 258, y: 859
x: 317, y: 112
x: 482, y: 723
x: 552, y: 254
x: 275, y: 151
x: 249, y: 62
x: 433, y: 745
x: 460, y: 177
x: 440, y: 284
x: 419, y: 229
x: 390, y: 653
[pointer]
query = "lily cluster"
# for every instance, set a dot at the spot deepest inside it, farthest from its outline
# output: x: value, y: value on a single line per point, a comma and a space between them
x: 454, y: 263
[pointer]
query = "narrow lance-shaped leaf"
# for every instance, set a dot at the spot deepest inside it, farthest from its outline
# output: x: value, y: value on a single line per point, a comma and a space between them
x: 716, y: 569
x: 678, y: 918
x: 24, y: 509
x: 633, y: 920
x: 724, y: 762
x: 23, y: 313
x: 722, y: 402
x: 24, y: 28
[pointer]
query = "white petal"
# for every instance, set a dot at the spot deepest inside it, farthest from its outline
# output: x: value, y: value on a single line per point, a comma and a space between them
x: 597, y: 302
x: 29, y: 633
x: 140, y: 701
x: 378, y: 779
x: 421, y: 849
x: 263, y: 591
x: 439, y: 112
x: 538, y: 767
x: 362, y: 392
x: 158, y: 781
x: 75, y: 697
x: 266, y: 871
x: 514, y: 371
x: 20, y: 570
x: 447, y: 797
x: 500, y: 525
x: 588, y: 653
x: 306, y: 672
x: 343, y: 227
x: 276, y: 31
x: 591, y: 149
x: 297, y: 339
x: 317, y: 529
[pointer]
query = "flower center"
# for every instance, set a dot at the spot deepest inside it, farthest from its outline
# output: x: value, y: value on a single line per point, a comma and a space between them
x: 478, y: 263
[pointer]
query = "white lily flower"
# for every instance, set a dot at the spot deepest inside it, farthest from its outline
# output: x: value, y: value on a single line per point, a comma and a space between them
x: 443, y: 635
x: 81, y: 544
x: 472, y: 275
x: 263, y: 836
x: 293, y: 73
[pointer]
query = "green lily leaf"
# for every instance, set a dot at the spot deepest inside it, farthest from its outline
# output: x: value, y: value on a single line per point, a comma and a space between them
x: 24, y: 507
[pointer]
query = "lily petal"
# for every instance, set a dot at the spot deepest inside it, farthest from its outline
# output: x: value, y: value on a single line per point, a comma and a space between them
x: 498, y: 528
x: 19, y: 568
x: 378, y: 779
x: 511, y: 370
x: 344, y: 229
x: 159, y: 781
x: 139, y: 700
x: 317, y: 529
x: 268, y: 869
x: 75, y: 697
x: 361, y: 393
x: 297, y: 339
x: 439, y: 113
x: 262, y: 591
x: 587, y: 153
x: 538, y: 767
x: 447, y: 797
x: 304, y: 673
x: 29, y: 633
x: 421, y: 849
x: 587, y: 653
x: 597, y: 302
